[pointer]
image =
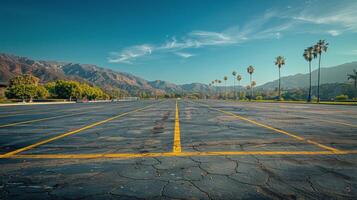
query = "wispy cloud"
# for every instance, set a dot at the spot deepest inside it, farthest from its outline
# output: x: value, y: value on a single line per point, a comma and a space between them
x: 311, y: 18
x: 184, y: 55
x: 341, y: 16
x: 131, y: 53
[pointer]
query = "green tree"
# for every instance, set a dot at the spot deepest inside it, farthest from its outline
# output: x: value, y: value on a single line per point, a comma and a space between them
x: 68, y: 89
x: 50, y: 87
x: 319, y: 48
x: 22, y: 87
x: 41, y: 92
x: 353, y: 77
x: 279, y: 61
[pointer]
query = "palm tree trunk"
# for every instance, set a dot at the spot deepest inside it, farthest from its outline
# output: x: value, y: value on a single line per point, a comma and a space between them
x: 318, y: 80
x: 225, y: 89
x: 251, y: 88
x: 309, y: 97
x: 239, y: 90
x: 279, y: 85
x: 234, y: 88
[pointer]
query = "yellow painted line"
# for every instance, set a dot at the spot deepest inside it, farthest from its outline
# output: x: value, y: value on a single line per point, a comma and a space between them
x: 177, y: 154
x: 274, y: 129
x: 177, y: 137
x: 49, y: 118
x: 329, y: 121
x: 313, y: 118
x: 69, y: 133
x: 41, y: 119
x: 31, y: 112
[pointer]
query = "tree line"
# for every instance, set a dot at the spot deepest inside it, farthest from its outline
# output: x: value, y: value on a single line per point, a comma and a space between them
x: 27, y: 87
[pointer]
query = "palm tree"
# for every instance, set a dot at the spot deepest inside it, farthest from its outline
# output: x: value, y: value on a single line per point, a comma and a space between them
x: 319, y: 48
x: 279, y: 61
x: 239, y: 78
x: 225, y: 78
x: 250, y: 71
x: 234, y: 73
x: 252, y: 88
x: 309, y: 54
x: 219, y: 85
x: 353, y: 77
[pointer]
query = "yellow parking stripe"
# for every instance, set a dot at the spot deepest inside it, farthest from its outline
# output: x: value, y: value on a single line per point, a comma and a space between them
x: 177, y: 137
x: 48, y: 118
x: 328, y: 121
x: 274, y: 129
x: 177, y: 154
x: 39, y: 120
x: 69, y: 133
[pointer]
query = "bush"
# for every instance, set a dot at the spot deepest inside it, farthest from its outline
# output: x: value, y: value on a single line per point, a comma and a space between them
x: 259, y: 98
x: 341, y: 97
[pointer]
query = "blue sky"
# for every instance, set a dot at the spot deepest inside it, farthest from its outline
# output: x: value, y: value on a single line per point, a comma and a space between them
x: 181, y: 41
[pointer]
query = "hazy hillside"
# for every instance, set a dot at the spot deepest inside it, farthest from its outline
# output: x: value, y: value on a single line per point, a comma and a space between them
x: 50, y: 71
x: 337, y: 74
x: 11, y: 66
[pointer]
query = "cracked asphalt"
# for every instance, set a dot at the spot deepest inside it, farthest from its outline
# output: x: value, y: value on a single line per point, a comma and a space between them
x: 129, y: 132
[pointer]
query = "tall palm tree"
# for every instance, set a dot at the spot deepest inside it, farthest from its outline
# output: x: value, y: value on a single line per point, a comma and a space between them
x: 250, y: 71
x: 309, y: 54
x: 252, y: 87
x: 219, y: 84
x: 353, y: 77
x: 319, y: 48
x: 279, y: 61
x: 234, y: 73
x: 225, y: 78
x: 239, y: 78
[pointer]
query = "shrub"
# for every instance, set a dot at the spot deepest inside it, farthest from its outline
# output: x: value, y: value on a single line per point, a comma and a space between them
x: 259, y: 98
x: 341, y: 97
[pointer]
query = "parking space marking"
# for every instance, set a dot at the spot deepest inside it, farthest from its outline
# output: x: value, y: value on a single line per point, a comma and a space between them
x: 176, y: 154
x: 177, y: 137
x: 41, y: 119
x: 325, y: 120
x: 9, y: 154
x: 46, y: 118
x: 31, y: 112
x: 313, y: 118
x: 272, y: 128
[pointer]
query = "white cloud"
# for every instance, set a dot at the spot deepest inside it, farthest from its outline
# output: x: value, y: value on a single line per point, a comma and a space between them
x: 130, y: 53
x: 184, y: 55
x: 334, y: 32
x: 312, y: 18
x: 342, y: 16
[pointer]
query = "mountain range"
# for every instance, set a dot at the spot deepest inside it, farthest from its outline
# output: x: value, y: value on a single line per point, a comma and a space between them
x: 11, y: 66
x: 336, y: 74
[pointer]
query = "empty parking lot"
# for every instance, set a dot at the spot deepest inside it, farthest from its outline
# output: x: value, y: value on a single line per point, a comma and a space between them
x: 178, y: 149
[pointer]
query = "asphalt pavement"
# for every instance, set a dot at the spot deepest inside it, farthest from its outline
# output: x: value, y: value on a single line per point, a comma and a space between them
x: 178, y: 149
